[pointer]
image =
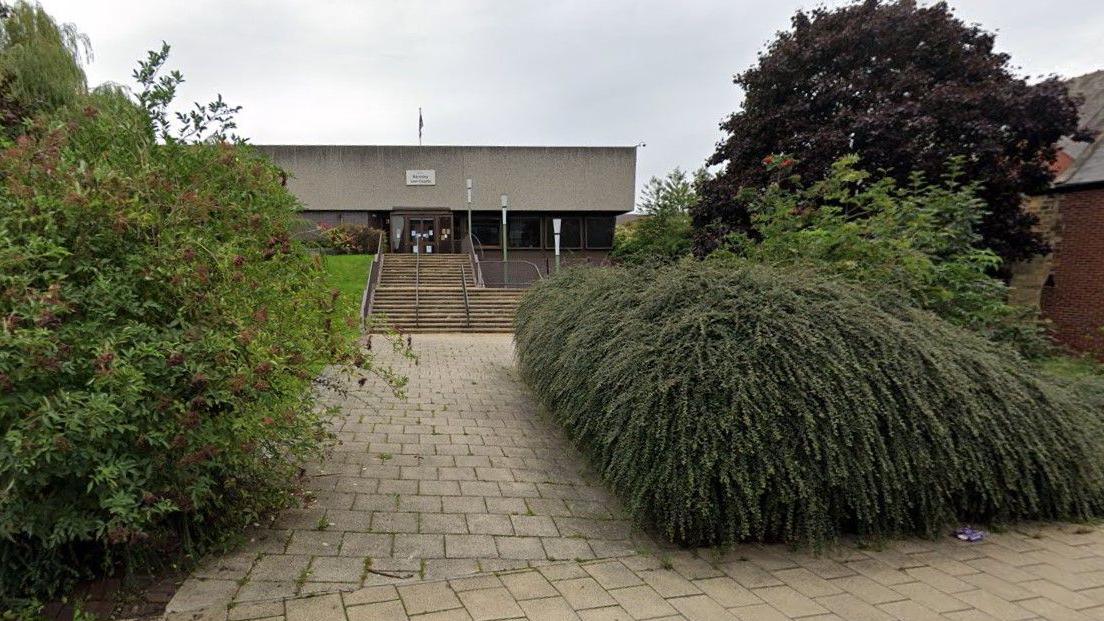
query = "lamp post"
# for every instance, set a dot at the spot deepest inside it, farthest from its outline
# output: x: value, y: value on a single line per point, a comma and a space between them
x: 469, y: 183
x: 505, y: 203
x: 556, y: 233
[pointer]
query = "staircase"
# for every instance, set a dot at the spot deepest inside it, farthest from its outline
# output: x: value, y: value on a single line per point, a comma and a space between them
x: 425, y: 294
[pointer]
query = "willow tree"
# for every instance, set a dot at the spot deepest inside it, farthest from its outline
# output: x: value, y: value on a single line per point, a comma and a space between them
x: 40, y: 63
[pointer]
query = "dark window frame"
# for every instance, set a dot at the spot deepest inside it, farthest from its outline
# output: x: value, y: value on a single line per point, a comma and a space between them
x: 549, y: 233
x: 476, y: 217
x: 511, y: 220
x: 586, y: 223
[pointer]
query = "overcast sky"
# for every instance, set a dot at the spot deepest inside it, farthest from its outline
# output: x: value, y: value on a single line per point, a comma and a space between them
x: 503, y: 72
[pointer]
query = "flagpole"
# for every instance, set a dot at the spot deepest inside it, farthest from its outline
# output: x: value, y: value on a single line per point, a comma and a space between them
x: 420, y: 125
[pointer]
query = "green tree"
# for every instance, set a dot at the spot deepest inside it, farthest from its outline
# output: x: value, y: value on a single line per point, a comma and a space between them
x: 916, y: 241
x: 663, y: 232
x: 40, y: 63
x: 906, y: 87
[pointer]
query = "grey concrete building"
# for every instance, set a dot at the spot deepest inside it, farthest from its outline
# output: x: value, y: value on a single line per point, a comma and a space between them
x: 419, y: 195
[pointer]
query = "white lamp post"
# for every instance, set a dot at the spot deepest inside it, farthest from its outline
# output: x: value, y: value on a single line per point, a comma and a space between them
x: 469, y: 183
x: 505, y: 203
x: 556, y: 233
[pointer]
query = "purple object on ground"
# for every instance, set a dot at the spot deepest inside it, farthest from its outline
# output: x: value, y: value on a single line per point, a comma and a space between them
x: 969, y: 534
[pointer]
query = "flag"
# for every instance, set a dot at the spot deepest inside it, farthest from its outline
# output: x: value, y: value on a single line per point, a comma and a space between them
x: 420, y: 126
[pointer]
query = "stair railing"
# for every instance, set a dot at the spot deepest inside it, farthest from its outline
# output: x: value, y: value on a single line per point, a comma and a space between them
x: 512, y: 274
x: 464, y: 286
x: 417, y: 281
x: 375, y: 272
x: 473, y: 258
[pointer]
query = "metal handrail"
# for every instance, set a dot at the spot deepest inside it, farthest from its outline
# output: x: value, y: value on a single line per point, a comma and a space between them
x: 473, y: 258
x: 478, y: 271
x: 464, y: 286
x: 417, y: 282
x: 506, y: 264
x: 368, y: 299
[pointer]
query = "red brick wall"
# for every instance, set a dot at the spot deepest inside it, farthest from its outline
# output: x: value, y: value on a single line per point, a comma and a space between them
x: 1074, y: 299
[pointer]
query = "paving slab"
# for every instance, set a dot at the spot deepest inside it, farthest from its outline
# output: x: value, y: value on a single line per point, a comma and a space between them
x: 462, y: 501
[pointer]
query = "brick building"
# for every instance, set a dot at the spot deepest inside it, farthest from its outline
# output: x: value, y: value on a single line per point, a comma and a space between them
x: 1067, y: 286
x: 1072, y: 296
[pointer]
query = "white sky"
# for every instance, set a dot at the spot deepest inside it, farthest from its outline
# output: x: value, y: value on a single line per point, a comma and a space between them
x: 504, y: 72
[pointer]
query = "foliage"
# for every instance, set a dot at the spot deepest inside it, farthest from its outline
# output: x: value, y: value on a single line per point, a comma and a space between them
x: 211, y: 122
x: 915, y: 241
x: 40, y: 63
x: 352, y: 238
x: 728, y: 402
x: 906, y: 87
x: 663, y: 231
x: 160, y: 335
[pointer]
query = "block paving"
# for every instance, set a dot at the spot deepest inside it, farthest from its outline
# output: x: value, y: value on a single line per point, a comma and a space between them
x: 464, y: 501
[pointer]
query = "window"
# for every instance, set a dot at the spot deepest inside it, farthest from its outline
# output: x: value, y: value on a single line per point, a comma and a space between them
x: 571, y: 233
x: 523, y: 231
x: 599, y: 232
x: 487, y: 230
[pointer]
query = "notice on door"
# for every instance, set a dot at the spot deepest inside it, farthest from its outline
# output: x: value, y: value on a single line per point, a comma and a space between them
x: 421, y: 177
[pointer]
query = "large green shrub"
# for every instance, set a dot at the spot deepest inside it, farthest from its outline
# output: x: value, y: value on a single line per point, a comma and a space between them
x: 352, y: 239
x: 918, y: 241
x: 662, y: 233
x: 159, y: 336
x: 735, y: 401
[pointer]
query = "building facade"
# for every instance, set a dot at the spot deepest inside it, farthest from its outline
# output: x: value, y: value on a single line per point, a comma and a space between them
x: 419, y: 195
x: 1072, y: 295
x: 1067, y: 285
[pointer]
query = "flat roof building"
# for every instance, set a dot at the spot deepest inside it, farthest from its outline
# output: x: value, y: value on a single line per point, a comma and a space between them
x: 419, y: 194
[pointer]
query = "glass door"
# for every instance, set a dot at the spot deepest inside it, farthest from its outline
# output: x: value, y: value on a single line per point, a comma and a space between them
x: 422, y: 235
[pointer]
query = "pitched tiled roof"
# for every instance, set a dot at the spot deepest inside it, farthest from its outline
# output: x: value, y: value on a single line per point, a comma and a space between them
x: 1088, y: 165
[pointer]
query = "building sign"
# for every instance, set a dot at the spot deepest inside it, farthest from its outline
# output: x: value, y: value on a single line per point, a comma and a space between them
x: 421, y: 177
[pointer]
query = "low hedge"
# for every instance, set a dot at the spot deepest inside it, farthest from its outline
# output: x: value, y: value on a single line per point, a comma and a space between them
x: 730, y: 402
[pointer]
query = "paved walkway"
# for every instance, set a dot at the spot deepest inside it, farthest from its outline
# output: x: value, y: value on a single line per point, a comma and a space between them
x: 463, y: 502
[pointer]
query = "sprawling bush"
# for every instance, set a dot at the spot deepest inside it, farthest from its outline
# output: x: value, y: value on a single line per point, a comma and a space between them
x: 663, y: 233
x: 918, y: 241
x: 736, y: 401
x: 352, y: 238
x: 159, y: 336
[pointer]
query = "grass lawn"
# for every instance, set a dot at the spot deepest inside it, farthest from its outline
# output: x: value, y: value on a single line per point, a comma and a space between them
x: 348, y: 273
x: 1072, y: 367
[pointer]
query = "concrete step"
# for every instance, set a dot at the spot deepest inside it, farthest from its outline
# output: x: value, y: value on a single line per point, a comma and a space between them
x: 405, y: 308
x: 430, y: 256
x: 454, y: 310
x: 425, y: 316
x: 401, y: 304
x: 450, y: 282
x: 424, y: 299
x: 487, y: 308
x: 438, y: 295
x: 451, y: 329
x: 434, y: 285
x: 450, y: 323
